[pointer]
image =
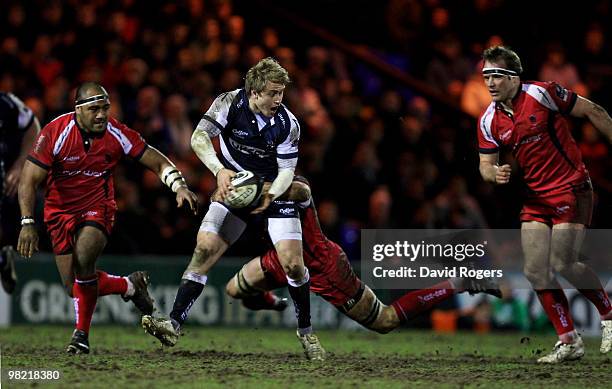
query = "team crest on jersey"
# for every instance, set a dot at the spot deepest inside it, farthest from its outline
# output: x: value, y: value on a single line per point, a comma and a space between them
x: 561, y: 92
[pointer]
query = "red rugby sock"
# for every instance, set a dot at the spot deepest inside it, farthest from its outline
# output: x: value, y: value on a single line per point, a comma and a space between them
x: 110, y: 284
x: 556, y: 307
x: 85, y: 297
x: 414, y: 303
x: 600, y: 299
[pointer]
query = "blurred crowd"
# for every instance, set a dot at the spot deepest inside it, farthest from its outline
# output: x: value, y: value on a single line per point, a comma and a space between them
x: 378, y: 154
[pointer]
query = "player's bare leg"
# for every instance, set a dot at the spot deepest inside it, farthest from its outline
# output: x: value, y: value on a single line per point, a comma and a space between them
x: 566, y: 241
x: 250, y: 286
x: 536, y: 243
x: 370, y: 312
x: 209, y: 248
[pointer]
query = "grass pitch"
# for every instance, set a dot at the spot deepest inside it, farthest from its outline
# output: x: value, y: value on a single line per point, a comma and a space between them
x: 124, y: 357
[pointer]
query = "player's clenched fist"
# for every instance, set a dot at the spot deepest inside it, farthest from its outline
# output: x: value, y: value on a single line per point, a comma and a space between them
x: 502, y: 175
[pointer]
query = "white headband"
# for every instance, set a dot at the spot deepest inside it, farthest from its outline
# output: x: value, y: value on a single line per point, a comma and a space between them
x: 90, y: 100
x: 499, y: 72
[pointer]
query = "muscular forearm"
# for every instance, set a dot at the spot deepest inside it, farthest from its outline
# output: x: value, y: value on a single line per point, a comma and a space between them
x: 31, y: 177
x: 601, y: 120
x: 281, y: 183
x: 203, y: 147
x: 27, y: 198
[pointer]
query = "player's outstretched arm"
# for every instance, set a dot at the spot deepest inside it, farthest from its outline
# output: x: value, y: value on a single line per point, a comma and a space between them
x: 491, y: 171
x: 595, y: 113
x: 12, y: 177
x: 31, y: 176
x: 171, y: 176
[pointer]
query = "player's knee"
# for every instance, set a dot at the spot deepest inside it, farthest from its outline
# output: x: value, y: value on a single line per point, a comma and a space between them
x: 386, y: 321
x: 538, y: 277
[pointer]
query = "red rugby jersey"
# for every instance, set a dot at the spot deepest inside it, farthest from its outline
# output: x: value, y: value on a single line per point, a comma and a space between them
x: 538, y: 134
x: 80, y: 165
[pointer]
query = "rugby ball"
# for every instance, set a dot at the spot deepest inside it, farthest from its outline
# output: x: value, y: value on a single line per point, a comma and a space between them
x: 247, y: 189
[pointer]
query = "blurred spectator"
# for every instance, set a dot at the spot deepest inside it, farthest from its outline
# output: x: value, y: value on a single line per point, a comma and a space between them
x: 449, y: 69
x: 558, y: 69
x: 406, y: 156
x: 475, y: 97
x: 179, y: 125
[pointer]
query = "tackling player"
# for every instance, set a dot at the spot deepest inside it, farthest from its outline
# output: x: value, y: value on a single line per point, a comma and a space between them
x: 258, y: 133
x: 530, y: 119
x: 333, y: 278
x: 76, y: 154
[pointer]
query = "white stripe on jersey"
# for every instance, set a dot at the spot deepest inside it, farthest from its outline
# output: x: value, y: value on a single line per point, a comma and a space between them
x: 228, y: 156
x: 220, y: 107
x: 541, y: 95
x: 25, y: 113
x: 59, y: 143
x: 485, y: 124
x: 290, y: 144
x: 121, y: 138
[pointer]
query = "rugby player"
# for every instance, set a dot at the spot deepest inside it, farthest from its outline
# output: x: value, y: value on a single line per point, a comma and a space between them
x: 76, y: 154
x: 333, y: 278
x: 530, y: 119
x: 256, y: 132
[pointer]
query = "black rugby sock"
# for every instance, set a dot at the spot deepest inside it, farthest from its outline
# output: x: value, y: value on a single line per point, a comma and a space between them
x: 301, y: 301
x: 187, y: 294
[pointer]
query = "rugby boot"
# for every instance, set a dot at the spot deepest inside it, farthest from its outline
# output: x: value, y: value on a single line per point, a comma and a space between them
x: 141, y: 298
x: 486, y: 285
x: 312, y: 347
x: 606, y: 336
x: 160, y: 328
x: 79, y: 343
x: 7, y: 272
x: 564, y: 352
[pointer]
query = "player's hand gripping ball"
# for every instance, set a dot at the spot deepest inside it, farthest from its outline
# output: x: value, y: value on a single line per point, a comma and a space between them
x: 247, y: 190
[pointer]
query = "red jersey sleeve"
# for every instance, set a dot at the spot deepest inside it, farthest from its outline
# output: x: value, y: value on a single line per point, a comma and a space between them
x: 565, y: 99
x: 42, y: 152
x: 486, y: 142
x: 131, y: 141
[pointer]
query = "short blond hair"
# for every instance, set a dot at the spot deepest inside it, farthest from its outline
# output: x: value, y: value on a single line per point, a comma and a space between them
x: 268, y: 69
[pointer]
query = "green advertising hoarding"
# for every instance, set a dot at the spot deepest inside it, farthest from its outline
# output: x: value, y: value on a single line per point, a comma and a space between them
x: 41, y: 298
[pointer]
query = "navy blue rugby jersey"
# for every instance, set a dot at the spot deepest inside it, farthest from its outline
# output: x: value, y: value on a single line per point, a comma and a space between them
x: 251, y: 141
x: 15, y: 119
